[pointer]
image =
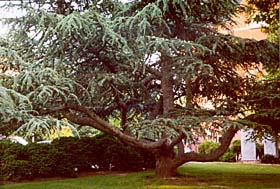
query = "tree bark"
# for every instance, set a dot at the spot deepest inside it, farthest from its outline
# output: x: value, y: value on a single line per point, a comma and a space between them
x: 180, y: 147
x: 214, y: 155
x: 165, y: 166
x: 168, y: 93
x: 91, y: 119
x: 61, y: 7
x: 167, y: 86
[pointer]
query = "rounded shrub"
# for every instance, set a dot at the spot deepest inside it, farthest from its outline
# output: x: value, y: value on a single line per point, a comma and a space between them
x: 207, y: 147
x: 229, y: 156
x: 236, y: 147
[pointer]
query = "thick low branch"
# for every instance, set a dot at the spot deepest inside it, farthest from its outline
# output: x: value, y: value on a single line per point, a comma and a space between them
x: 91, y: 119
x: 214, y: 155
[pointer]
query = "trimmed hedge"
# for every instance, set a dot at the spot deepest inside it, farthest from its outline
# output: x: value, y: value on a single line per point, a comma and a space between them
x: 67, y: 156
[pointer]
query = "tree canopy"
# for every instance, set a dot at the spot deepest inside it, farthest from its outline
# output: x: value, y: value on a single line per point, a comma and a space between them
x: 151, y: 64
x: 265, y: 12
x: 263, y: 98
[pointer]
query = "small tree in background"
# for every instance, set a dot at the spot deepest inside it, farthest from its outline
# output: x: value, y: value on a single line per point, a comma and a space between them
x: 236, y: 148
x: 207, y: 147
x: 265, y: 12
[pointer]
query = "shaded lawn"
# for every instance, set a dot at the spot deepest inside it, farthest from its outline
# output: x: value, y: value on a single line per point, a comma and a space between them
x: 198, y: 176
x: 234, y: 175
x: 126, y: 181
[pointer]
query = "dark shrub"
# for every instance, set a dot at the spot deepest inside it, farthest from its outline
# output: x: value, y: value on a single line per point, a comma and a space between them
x: 270, y: 159
x: 259, y: 150
x: 14, y: 169
x: 104, y: 153
x: 14, y: 161
x: 115, y: 155
x: 69, y: 155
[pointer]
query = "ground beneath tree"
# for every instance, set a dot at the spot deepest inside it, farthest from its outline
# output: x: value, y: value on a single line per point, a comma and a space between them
x: 177, y: 181
x: 79, y: 175
x: 215, y: 174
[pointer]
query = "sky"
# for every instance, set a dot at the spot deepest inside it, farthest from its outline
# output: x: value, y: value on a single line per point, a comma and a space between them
x: 7, y: 13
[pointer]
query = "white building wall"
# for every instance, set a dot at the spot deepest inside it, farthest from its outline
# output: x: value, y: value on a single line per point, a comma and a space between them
x: 248, y: 147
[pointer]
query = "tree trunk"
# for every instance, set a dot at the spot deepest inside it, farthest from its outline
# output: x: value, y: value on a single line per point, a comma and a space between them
x: 180, y: 147
x: 61, y: 7
x: 167, y: 86
x: 165, y: 167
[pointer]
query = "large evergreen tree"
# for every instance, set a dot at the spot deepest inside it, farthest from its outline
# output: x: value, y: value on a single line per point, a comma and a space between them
x: 148, y: 63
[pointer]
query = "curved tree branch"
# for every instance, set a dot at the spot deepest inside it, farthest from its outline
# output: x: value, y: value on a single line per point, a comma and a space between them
x: 214, y: 155
x: 93, y: 120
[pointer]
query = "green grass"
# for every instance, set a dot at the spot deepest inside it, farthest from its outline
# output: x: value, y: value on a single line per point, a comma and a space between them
x: 233, y: 175
x: 197, y: 176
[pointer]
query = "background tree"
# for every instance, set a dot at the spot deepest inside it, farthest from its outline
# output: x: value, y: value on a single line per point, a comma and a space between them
x: 265, y: 12
x: 148, y: 64
x: 263, y: 98
x: 263, y: 103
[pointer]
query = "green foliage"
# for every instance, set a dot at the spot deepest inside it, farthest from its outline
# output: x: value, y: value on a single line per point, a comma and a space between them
x: 14, y: 161
x: 207, y: 147
x: 87, y: 62
x: 263, y: 101
x: 63, y: 156
x: 229, y: 156
x: 232, y: 154
x: 265, y: 11
x: 42, y: 159
x: 236, y: 147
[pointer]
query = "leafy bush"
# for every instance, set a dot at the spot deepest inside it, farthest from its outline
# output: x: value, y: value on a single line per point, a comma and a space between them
x: 106, y: 152
x: 207, y: 147
x: 270, y: 159
x: 42, y: 159
x: 67, y: 156
x: 236, y: 147
x: 229, y: 156
x: 14, y: 161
